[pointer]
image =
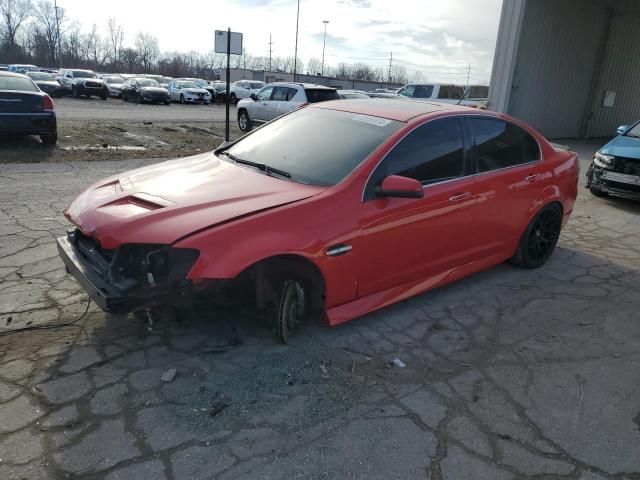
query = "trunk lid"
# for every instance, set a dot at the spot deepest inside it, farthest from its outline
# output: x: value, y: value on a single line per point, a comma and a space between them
x: 21, y: 102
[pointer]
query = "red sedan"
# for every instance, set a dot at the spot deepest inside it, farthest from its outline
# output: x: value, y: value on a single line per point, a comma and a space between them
x: 341, y: 208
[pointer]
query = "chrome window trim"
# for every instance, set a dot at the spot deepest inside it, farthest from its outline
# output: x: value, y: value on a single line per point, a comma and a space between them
x: 477, y: 174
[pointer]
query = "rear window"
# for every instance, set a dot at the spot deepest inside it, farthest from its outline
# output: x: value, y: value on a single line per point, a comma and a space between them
x: 17, y: 83
x: 255, y: 85
x: 316, y: 146
x: 321, y: 95
x: 451, y: 92
x: 478, y: 91
x: 83, y: 74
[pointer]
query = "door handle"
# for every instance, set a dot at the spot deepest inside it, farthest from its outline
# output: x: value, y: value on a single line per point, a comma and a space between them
x: 458, y: 197
x: 532, y: 178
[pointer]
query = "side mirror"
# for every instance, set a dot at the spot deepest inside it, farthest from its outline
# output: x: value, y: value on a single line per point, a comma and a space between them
x: 68, y: 76
x: 253, y: 96
x: 621, y: 129
x: 400, y: 187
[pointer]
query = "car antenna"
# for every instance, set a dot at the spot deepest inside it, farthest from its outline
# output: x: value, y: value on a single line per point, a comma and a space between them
x: 466, y: 92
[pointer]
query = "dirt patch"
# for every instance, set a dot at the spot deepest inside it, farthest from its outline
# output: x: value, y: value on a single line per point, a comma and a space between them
x: 113, y: 140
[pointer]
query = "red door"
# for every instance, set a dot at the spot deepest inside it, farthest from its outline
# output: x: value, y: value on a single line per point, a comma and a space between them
x: 510, y: 178
x: 405, y: 240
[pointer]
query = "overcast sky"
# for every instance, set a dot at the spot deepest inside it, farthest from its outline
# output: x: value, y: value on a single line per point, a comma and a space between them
x: 438, y: 37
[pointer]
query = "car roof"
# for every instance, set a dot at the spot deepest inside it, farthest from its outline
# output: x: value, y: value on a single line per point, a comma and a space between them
x: 303, y: 85
x: 4, y: 73
x: 393, y: 109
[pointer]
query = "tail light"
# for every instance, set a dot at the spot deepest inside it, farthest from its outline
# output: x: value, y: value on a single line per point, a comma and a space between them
x: 48, y: 103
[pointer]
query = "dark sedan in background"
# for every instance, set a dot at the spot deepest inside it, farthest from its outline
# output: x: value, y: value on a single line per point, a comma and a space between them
x: 25, y: 109
x: 615, y: 168
x: 144, y: 90
x: 47, y: 83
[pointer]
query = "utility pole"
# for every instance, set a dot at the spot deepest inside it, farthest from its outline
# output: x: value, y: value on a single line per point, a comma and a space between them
x: 324, y: 44
x: 468, y: 74
x: 295, y: 55
x: 55, y: 7
x: 390, y: 61
x: 270, y: 45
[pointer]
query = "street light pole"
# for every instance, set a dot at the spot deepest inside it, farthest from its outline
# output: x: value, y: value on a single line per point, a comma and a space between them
x: 295, y: 55
x: 324, y: 43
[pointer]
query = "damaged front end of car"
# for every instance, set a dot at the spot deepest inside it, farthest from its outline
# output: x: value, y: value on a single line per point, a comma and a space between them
x: 130, y: 277
x: 611, y: 175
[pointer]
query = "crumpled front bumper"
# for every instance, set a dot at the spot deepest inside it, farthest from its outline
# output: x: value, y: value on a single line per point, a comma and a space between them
x: 108, y: 297
x: 613, y: 183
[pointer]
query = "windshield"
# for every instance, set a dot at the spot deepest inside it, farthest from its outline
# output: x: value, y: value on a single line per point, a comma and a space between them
x: 634, y: 132
x: 201, y: 83
x: 256, y: 85
x: 316, y: 146
x: 83, y: 74
x: 187, y: 85
x: 41, y: 76
x: 17, y: 83
x: 147, y: 82
x: 113, y: 80
x: 353, y: 95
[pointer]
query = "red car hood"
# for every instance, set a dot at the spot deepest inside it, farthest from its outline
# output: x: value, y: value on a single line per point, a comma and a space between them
x: 167, y: 201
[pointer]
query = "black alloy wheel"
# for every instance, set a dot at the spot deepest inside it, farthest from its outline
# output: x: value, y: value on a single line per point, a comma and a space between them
x: 540, y: 238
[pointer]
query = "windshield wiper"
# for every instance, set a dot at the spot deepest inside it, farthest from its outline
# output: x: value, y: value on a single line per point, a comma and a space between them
x: 263, y: 167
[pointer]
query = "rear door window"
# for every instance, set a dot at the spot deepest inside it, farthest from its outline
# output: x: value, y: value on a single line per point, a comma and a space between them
x: 500, y: 144
x: 280, y: 94
x: 321, y: 95
x: 450, y: 92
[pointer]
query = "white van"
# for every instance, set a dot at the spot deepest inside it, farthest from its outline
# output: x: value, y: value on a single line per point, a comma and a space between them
x: 444, y: 93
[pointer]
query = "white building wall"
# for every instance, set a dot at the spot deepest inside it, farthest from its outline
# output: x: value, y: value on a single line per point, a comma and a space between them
x: 560, y: 46
x: 620, y: 73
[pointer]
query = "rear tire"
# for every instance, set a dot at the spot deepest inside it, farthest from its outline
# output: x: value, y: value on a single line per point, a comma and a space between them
x: 49, y: 140
x: 244, y: 122
x: 540, y: 238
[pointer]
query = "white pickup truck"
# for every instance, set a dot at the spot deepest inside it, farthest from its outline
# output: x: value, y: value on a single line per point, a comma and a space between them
x: 444, y: 93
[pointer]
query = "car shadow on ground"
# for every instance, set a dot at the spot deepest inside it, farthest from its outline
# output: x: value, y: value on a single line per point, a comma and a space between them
x: 206, y: 392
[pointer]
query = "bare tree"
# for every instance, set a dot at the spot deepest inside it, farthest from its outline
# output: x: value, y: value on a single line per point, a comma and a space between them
x: 95, y: 49
x: 148, y: 49
x: 47, y: 24
x: 13, y: 13
x: 314, y: 66
x: 115, y: 34
x: 129, y: 57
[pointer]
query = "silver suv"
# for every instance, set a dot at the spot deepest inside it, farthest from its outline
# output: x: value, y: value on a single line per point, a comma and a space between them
x: 82, y: 82
x: 277, y: 99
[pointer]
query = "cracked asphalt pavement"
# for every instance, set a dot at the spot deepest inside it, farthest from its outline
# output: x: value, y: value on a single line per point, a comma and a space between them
x: 510, y: 374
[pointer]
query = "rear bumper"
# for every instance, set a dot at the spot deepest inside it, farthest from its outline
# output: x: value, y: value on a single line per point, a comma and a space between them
x: 28, y: 123
x: 106, y: 296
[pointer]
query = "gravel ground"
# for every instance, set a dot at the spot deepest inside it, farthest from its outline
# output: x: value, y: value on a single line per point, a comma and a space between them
x: 510, y: 374
x: 92, y: 129
x: 115, y: 109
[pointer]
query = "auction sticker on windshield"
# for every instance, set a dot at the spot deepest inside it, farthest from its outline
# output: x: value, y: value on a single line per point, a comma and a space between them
x: 380, y: 122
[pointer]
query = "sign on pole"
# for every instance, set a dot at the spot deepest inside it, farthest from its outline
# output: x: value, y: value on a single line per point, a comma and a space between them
x: 230, y: 43
x: 221, y: 42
